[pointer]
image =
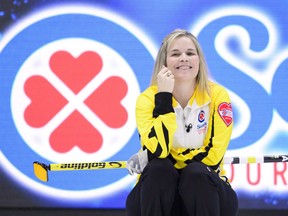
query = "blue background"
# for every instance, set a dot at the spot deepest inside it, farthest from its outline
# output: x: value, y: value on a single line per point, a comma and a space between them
x: 156, y: 19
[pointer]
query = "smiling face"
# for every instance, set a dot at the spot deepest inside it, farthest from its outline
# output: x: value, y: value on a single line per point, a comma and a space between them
x: 182, y: 59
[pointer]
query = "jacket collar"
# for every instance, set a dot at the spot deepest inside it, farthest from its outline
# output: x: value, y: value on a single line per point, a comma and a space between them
x: 197, y: 99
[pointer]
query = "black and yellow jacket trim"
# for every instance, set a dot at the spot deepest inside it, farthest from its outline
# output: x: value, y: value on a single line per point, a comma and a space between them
x: 156, y: 123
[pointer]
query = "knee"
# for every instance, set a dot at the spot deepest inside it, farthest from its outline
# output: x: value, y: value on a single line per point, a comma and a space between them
x: 160, y: 166
x: 160, y: 170
x: 197, y: 173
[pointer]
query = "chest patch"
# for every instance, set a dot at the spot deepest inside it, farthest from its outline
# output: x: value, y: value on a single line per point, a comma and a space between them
x: 225, y: 112
x: 201, y: 116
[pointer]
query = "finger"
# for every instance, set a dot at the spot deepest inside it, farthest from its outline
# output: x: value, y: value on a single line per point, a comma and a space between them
x: 163, y: 70
x: 137, y: 169
x: 130, y: 170
x: 168, y: 73
x: 130, y: 167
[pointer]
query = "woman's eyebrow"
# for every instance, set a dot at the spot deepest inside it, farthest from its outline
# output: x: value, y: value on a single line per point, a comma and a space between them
x: 177, y: 50
x: 192, y: 49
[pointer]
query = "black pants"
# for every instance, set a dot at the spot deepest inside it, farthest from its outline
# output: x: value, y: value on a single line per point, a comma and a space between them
x: 195, y: 190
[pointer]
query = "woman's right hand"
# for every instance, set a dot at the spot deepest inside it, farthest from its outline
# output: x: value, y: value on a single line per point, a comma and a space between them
x: 165, y: 80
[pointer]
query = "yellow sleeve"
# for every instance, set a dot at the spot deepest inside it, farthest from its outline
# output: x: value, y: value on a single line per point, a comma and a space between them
x: 218, y: 135
x: 220, y: 131
x: 156, y: 121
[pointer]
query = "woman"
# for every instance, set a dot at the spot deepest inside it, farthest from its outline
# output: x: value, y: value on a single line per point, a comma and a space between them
x: 185, y: 123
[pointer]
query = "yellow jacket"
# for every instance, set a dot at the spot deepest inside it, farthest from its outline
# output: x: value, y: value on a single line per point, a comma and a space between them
x: 157, y: 124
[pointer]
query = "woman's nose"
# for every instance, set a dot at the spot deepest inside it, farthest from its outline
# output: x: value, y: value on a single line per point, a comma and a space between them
x: 183, y: 57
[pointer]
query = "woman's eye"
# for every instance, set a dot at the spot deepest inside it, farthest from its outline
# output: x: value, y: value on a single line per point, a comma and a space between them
x: 179, y: 54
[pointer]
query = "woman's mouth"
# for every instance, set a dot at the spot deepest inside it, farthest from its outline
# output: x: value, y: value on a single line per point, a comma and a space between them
x: 184, y: 67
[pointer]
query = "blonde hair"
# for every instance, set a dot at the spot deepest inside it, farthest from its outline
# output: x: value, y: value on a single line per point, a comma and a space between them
x: 203, y: 74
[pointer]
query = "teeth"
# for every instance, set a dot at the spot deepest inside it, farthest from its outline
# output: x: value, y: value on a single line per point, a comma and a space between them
x: 184, y: 67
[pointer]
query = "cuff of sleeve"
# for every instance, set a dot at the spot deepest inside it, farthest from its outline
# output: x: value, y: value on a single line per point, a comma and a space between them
x: 163, y: 104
